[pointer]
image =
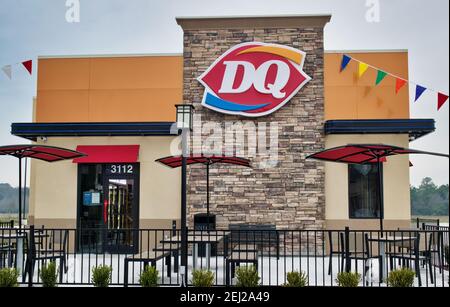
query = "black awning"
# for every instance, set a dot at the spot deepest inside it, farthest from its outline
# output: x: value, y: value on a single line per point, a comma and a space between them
x: 33, y: 131
x: 415, y: 128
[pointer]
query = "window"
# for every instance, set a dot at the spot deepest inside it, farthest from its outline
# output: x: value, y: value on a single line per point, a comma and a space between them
x: 363, y: 191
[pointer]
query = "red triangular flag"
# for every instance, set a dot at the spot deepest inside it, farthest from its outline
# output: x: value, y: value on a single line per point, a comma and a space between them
x: 399, y: 84
x: 29, y: 66
x: 442, y: 99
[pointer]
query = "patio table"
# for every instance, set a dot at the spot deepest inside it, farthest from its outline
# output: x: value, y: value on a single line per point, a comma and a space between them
x: 382, y: 243
x: 197, y: 239
x: 19, y: 237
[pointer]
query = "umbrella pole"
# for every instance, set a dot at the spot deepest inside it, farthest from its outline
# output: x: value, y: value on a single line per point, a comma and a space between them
x: 207, y: 194
x: 20, y: 193
x: 25, y: 187
x: 380, y: 195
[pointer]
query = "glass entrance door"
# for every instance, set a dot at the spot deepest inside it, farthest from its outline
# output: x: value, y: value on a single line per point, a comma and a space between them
x: 120, y: 215
x: 121, y: 208
x: 108, y: 214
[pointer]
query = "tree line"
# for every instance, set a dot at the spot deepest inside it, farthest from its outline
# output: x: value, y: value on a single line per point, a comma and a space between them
x: 429, y: 199
x: 9, y: 199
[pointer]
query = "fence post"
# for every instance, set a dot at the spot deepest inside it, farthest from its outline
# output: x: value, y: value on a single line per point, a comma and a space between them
x: 348, y: 263
x: 30, y: 261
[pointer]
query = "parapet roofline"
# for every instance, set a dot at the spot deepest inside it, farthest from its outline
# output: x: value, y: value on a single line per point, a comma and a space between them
x: 369, y: 51
x: 93, y: 56
x: 252, y: 22
x: 255, y: 16
x: 131, y: 55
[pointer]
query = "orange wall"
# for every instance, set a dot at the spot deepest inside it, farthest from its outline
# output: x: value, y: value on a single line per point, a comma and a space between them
x: 109, y: 89
x: 349, y: 97
x: 146, y: 88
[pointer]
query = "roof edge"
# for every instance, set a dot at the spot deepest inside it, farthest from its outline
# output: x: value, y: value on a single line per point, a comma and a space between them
x: 239, y: 22
x: 131, y: 55
x: 369, y: 51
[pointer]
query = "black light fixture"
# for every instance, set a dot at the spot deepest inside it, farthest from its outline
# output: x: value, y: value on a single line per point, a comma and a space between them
x: 185, y: 116
x: 184, y: 125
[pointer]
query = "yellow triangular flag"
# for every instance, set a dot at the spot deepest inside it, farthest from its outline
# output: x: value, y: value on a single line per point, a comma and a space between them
x: 362, y: 68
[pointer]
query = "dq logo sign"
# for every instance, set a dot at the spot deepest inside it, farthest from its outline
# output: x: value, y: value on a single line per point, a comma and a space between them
x: 254, y: 79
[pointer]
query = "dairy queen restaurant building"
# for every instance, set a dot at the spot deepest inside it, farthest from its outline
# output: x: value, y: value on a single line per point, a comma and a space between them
x: 268, y: 71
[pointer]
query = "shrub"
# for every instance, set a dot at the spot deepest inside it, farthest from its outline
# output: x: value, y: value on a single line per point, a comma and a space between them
x: 348, y: 280
x: 403, y: 278
x: 49, y: 275
x: 296, y: 280
x: 8, y: 278
x: 247, y: 277
x: 101, y: 276
x: 149, y: 278
x: 202, y: 278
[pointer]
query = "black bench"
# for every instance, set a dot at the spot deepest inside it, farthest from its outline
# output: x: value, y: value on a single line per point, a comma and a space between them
x: 148, y: 258
x: 174, y: 249
x: 164, y: 250
x: 245, y: 242
x: 246, y: 237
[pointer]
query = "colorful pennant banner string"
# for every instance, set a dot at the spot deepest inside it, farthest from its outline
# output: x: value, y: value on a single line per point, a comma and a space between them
x: 28, y: 66
x: 8, y: 69
x: 419, y: 91
x: 442, y: 99
x: 380, y: 76
x: 345, y: 61
x: 363, y: 67
x: 399, y: 83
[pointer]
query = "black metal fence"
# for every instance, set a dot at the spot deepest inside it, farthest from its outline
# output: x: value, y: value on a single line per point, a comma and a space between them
x: 320, y: 254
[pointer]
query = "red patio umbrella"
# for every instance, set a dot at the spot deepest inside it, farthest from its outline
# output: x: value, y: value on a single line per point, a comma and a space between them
x: 365, y: 154
x: 40, y: 152
x: 176, y: 161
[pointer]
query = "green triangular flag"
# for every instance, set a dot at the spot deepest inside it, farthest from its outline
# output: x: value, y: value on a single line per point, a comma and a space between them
x: 380, y: 77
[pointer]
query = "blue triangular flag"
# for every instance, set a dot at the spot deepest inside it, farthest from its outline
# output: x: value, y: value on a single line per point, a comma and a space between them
x: 419, y: 91
x: 345, y: 60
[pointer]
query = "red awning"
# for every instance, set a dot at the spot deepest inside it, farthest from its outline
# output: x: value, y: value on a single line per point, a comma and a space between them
x: 108, y: 154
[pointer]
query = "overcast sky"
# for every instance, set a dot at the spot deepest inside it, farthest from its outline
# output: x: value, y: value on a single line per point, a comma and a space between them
x: 29, y: 29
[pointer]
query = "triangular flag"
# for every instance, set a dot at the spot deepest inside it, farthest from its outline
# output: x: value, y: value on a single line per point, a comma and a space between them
x: 345, y: 60
x: 419, y: 91
x: 380, y: 76
x: 29, y: 66
x: 442, y: 99
x: 362, y: 68
x: 399, y: 84
x: 8, y: 71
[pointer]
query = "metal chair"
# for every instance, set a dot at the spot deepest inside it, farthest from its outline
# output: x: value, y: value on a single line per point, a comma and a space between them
x: 413, y: 252
x: 335, y: 252
x: 360, y: 249
x: 49, y: 253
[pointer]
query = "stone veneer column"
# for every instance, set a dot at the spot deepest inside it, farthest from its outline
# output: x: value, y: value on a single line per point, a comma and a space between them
x: 291, y: 195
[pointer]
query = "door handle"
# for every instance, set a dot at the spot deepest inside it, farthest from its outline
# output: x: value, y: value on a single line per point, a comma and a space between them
x: 105, y: 211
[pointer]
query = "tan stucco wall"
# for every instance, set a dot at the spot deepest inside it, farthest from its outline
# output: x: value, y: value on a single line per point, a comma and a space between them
x: 397, y: 202
x: 349, y: 97
x: 93, y: 89
x: 54, y: 186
